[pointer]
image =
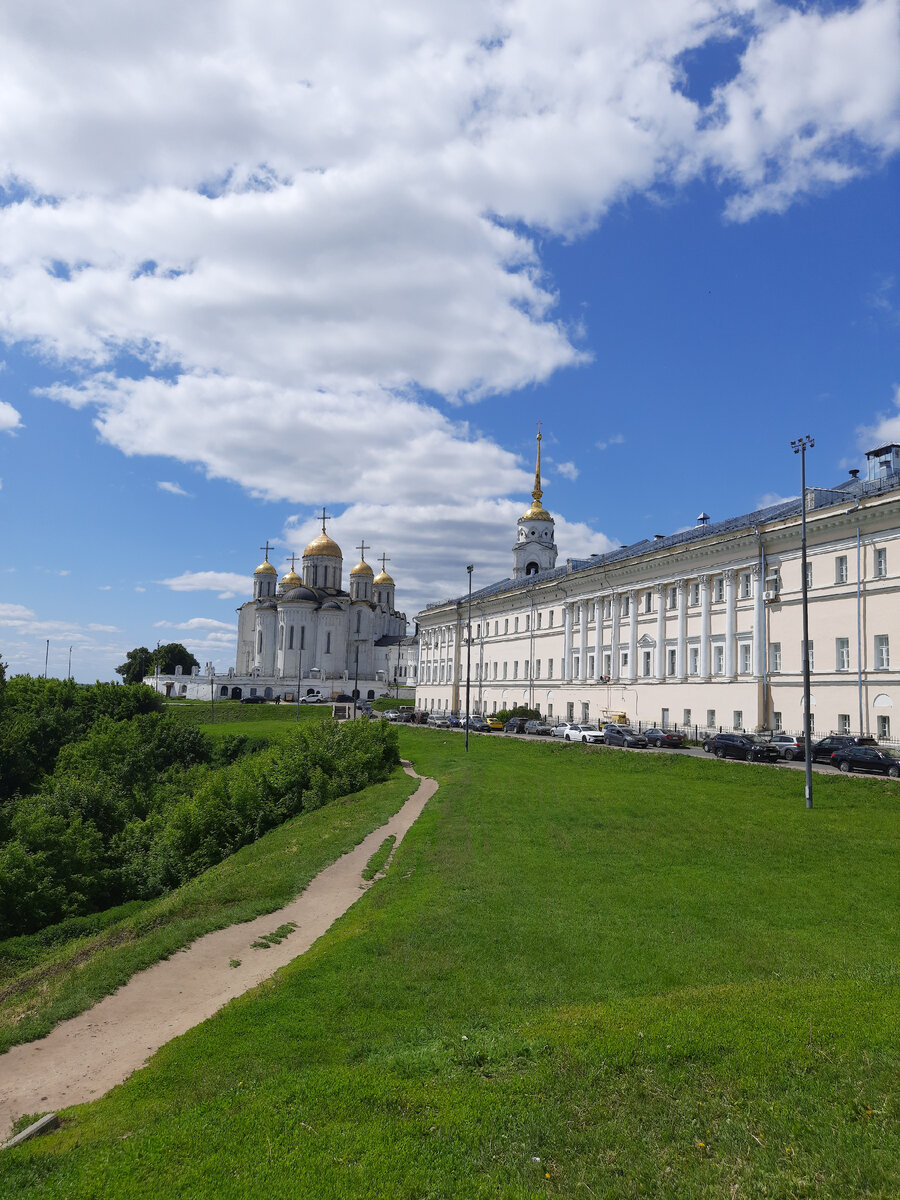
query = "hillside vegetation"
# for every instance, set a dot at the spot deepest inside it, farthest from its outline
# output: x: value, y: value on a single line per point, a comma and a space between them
x: 585, y: 973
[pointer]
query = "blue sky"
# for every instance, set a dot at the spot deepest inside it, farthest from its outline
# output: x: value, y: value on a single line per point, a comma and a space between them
x: 257, y: 263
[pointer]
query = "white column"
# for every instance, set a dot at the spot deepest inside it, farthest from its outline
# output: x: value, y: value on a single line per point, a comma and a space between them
x: 614, y: 637
x: 681, y: 651
x: 730, y: 621
x: 582, y: 665
x: 704, y: 627
x: 759, y: 622
x: 566, y: 673
x: 632, y: 634
x: 598, y: 638
x: 660, y: 631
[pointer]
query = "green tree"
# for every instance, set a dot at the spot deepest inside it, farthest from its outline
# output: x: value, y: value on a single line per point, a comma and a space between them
x: 137, y: 664
x: 173, y: 655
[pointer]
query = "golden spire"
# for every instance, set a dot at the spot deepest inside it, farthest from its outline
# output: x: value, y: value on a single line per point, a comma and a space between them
x: 537, y: 512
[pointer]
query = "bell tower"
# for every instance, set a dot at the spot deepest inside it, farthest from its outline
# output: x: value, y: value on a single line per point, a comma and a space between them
x: 535, y: 548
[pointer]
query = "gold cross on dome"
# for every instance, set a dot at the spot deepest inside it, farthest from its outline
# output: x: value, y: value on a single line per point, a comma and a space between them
x: 384, y: 559
x: 362, y: 548
x: 266, y: 548
x: 324, y: 518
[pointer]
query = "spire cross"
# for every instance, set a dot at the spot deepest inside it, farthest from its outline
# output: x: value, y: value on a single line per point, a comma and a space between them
x: 384, y: 559
x: 324, y: 517
x: 362, y: 548
x: 538, y: 493
x: 293, y: 561
x: 266, y: 548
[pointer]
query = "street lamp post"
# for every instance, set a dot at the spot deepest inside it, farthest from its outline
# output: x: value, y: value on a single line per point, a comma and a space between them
x: 470, y: 568
x: 356, y: 681
x: 800, y: 446
x: 299, y: 679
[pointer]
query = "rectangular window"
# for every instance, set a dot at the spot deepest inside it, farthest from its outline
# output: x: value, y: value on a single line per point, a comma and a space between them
x: 585, y: 711
x: 744, y: 585
x: 719, y: 590
x: 710, y: 718
x: 840, y: 569
x: 549, y: 668
x: 576, y: 665
x: 328, y: 642
x: 528, y: 623
x: 738, y: 722
x: 882, y: 652
x: 624, y: 660
x: 648, y: 602
x: 842, y: 654
x: 495, y: 670
x: 516, y: 625
x: 744, y: 665
x: 664, y: 718
x: 646, y: 663
x: 291, y: 638
x: 607, y: 609
x: 590, y: 612
x: 478, y: 630
x: 607, y: 665
x: 843, y: 722
x: 718, y: 660
x: 694, y: 660
x: 672, y: 597
x: 881, y: 564
x: 537, y: 668
x: 695, y: 594
x: 516, y: 669
x: 504, y: 670
x: 626, y: 605
x: 549, y: 710
x: 496, y: 628
x: 590, y: 666
x: 774, y: 657
x: 540, y: 620
x: 811, y: 651
x: 672, y: 660
x: 776, y: 721
x: 550, y: 619
x: 506, y: 625
x: 687, y: 717
x: 570, y: 711
x: 884, y: 727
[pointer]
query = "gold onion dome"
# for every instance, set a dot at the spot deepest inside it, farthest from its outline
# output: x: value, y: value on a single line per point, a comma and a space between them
x: 362, y: 568
x: 323, y: 544
x: 265, y: 568
x: 382, y: 577
x: 535, y: 513
x: 291, y: 579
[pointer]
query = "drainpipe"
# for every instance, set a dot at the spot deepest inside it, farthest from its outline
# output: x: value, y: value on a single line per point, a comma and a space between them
x: 764, y: 632
x: 859, y: 687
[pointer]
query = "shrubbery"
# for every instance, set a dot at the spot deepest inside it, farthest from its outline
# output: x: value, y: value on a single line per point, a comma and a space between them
x: 139, y: 806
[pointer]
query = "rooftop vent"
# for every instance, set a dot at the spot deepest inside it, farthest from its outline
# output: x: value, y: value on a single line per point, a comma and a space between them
x: 658, y: 537
x: 703, y: 519
x: 854, y: 474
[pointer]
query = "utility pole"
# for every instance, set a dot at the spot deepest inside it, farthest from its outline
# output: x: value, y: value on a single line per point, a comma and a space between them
x: 299, y: 679
x: 470, y: 568
x: 46, y: 658
x: 356, y: 681
x: 800, y: 447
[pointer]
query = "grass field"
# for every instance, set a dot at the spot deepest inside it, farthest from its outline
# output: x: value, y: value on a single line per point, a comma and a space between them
x: 584, y: 974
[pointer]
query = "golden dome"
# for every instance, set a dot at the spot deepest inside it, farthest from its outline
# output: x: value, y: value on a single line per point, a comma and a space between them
x: 323, y: 544
x: 362, y: 568
x: 291, y: 579
x: 535, y: 513
x: 265, y: 568
x: 383, y: 578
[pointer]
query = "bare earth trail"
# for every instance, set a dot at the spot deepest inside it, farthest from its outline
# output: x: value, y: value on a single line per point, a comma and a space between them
x: 83, y: 1058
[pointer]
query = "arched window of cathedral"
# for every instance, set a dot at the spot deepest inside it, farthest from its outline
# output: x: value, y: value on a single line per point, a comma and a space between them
x: 532, y: 569
x: 291, y: 638
x: 358, y: 621
x: 328, y: 642
x: 315, y: 574
x: 259, y: 642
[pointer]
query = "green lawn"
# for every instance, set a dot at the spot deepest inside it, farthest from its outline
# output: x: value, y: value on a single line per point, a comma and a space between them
x: 584, y: 974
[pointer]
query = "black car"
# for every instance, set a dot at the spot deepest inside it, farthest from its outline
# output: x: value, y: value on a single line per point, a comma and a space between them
x: 741, y: 745
x: 867, y: 758
x: 253, y: 699
x: 515, y: 725
x: 478, y: 725
x: 623, y: 735
x: 823, y: 750
x: 664, y: 737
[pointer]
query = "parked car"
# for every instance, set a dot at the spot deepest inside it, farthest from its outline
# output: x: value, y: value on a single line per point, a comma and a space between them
x: 439, y: 720
x: 585, y: 732
x: 623, y: 735
x: 663, y: 737
x: 478, y: 725
x: 741, y: 745
x: 867, y: 758
x: 788, y: 746
x: 494, y: 722
x: 391, y: 714
x: 539, y: 726
x: 407, y: 716
x: 824, y: 749
x: 317, y: 698
x: 454, y: 721
x: 253, y: 699
x: 560, y: 729
x: 420, y: 718
x: 515, y: 725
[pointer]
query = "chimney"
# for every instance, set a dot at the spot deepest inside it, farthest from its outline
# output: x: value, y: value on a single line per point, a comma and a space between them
x: 703, y: 519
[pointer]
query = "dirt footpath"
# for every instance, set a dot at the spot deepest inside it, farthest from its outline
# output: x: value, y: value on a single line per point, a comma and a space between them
x: 83, y: 1058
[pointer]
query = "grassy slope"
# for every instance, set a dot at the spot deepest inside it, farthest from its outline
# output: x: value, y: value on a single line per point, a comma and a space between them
x: 658, y: 976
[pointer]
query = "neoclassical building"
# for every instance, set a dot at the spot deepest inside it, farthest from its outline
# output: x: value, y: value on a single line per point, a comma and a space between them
x: 697, y: 628
x: 306, y: 632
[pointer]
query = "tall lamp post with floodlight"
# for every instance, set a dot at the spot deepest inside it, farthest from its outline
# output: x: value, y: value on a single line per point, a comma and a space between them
x: 470, y: 568
x: 800, y: 446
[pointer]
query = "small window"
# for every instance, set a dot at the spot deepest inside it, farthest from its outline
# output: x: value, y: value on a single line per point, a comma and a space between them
x: 495, y: 671
x: 537, y: 668
x: 738, y: 722
x: 280, y: 637
x: 504, y: 670
x: 576, y: 665
x: 540, y: 620
x: 842, y: 654
x: 302, y: 637
x: 549, y: 710
x: 549, y: 668
x: 648, y: 602
x: 290, y: 637
x: 695, y: 594
x: 718, y: 660
x: 585, y: 711
x: 626, y: 606
x: 516, y: 669
x: 882, y: 652
x: 570, y: 711
x: 710, y: 718
x: 745, y: 585
x: 607, y: 665
x: 664, y: 718
x: 550, y: 619
x: 328, y: 642
x: 744, y: 667
x: 506, y: 625
x: 843, y: 722
x: 624, y: 660
x: 719, y: 590
x: 694, y: 659
x: 516, y: 625
x: 687, y: 717
x: 672, y: 598
x: 840, y: 569
x: 646, y: 663
x: 496, y: 628
x: 776, y: 721
x: 774, y: 657
x: 590, y: 666
x: 528, y: 623
x: 884, y: 727
x: 881, y: 564
x: 672, y: 660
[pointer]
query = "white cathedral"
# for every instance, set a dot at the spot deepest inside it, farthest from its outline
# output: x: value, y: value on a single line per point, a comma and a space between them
x: 308, y: 634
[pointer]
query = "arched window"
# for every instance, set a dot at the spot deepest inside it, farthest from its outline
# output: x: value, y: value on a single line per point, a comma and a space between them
x: 358, y: 621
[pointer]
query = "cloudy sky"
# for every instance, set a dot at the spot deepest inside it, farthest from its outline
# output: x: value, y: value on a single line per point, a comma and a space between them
x: 257, y: 259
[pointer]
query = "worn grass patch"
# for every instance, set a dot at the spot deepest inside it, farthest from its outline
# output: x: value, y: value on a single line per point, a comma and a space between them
x: 598, y: 975
x: 378, y: 860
